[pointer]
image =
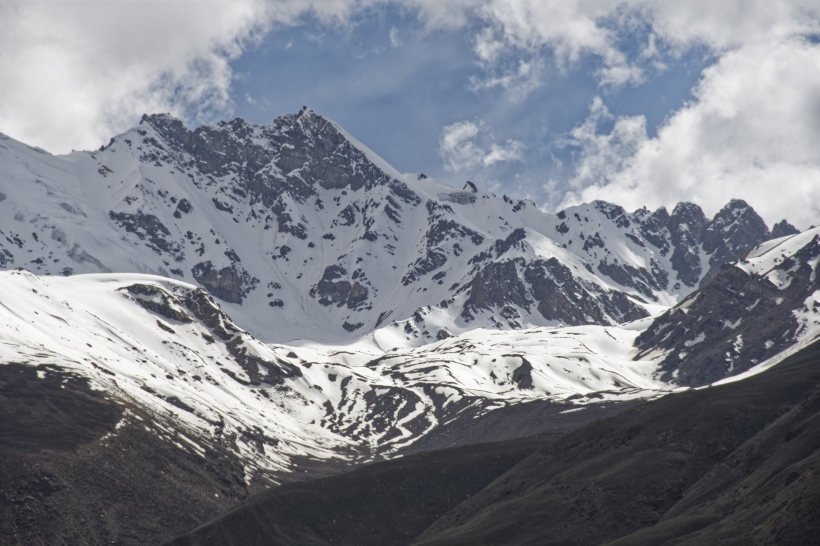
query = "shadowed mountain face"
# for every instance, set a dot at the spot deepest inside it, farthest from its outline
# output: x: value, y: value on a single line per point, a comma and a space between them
x: 380, y: 504
x: 734, y: 464
x: 74, y: 472
x: 749, y: 312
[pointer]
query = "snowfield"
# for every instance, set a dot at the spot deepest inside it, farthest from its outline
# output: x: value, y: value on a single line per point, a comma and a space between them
x: 283, y: 291
x: 93, y: 325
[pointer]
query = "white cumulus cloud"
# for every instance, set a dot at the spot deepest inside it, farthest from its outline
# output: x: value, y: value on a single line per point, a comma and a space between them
x: 460, y: 149
x: 75, y: 73
x: 750, y: 132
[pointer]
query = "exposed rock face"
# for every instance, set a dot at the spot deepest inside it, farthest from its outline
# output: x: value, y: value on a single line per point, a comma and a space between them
x: 332, y: 291
x: 645, y: 282
x: 733, y: 231
x: 158, y: 301
x: 782, y: 229
x: 564, y: 299
x: 347, y: 239
x: 427, y: 264
x: 738, y: 320
x: 323, y: 159
x: 496, y: 285
x: 686, y: 227
x: 689, y: 234
x: 522, y: 376
x: 231, y: 283
x: 148, y: 226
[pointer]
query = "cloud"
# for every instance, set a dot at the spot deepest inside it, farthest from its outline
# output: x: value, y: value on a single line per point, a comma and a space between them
x: 518, y: 79
x: 74, y: 73
x: 569, y: 31
x: 460, y: 150
x: 395, y: 40
x: 750, y: 132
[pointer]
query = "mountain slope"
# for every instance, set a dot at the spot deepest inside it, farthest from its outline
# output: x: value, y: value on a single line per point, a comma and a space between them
x: 379, y: 504
x: 173, y: 383
x: 736, y: 463
x: 80, y: 467
x: 136, y: 409
x: 751, y: 312
x: 170, y: 266
x: 166, y: 345
x: 304, y: 233
x: 719, y: 464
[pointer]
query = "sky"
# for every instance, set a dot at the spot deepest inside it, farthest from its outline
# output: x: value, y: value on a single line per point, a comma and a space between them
x: 558, y: 101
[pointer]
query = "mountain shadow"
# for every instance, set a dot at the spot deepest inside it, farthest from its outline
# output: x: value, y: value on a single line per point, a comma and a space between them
x: 731, y: 464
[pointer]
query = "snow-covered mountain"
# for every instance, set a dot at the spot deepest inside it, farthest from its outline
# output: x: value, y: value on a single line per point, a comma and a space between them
x: 263, y: 303
x: 165, y: 345
x: 747, y: 318
x: 302, y: 232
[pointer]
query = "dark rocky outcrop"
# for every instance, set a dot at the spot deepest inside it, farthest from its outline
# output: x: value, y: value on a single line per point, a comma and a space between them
x: 653, y: 228
x: 496, y: 285
x: 783, y: 229
x: 183, y: 207
x: 564, y: 299
x: 638, y: 278
x: 148, y: 226
x: 306, y: 151
x: 231, y: 283
x: 259, y: 370
x: 430, y: 262
x: 732, y: 323
x: 733, y: 231
x: 334, y: 289
x: 158, y: 301
x: 687, y: 232
x: 686, y: 225
x: 445, y: 230
x: 522, y: 375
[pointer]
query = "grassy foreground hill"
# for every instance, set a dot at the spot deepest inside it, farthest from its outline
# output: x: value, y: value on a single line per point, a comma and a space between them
x: 732, y: 464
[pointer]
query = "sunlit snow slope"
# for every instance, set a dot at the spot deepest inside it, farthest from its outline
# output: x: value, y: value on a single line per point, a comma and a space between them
x: 283, y: 292
x: 302, y: 232
x: 166, y: 345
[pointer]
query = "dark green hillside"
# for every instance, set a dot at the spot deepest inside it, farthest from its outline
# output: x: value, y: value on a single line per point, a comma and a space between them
x: 735, y: 464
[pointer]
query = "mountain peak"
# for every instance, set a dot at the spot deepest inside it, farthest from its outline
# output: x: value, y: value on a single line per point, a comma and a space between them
x: 310, y: 235
x: 783, y: 229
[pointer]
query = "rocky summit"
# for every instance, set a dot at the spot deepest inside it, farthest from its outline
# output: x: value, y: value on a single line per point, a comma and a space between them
x: 301, y: 232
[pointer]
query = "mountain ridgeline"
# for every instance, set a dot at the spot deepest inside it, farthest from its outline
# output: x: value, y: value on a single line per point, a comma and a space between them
x: 306, y: 234
x: 192, y: 317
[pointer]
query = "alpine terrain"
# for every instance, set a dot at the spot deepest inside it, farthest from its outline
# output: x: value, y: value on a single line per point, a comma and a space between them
x: 192, y: 317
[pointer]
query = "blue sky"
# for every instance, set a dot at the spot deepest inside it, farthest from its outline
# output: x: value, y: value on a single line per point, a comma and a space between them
x: 395, y: 85
x: 638, y: 102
